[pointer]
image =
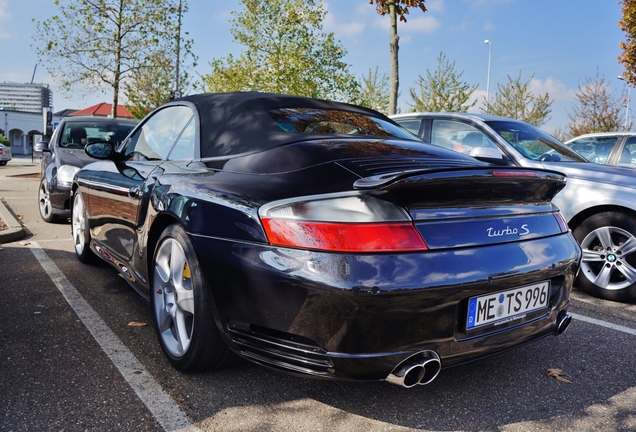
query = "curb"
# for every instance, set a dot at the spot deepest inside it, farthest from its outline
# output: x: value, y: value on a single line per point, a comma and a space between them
x: 15, y: 231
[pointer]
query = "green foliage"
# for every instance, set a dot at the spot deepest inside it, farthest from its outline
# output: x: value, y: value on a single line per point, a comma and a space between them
x: 597, y: 108
x: 374, y: 91
x: 285, y: 52
x: 442, y: 90
x: 98, y: 44
x: 514, y: 100
x: 4, y: 140
x: 152, y: 86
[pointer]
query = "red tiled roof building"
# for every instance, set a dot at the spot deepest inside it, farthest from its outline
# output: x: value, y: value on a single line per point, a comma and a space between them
x: 103, y: 110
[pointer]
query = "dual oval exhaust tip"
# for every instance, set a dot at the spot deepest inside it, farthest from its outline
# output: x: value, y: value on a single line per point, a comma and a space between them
x: 422, y: 368
x: 419, y: 369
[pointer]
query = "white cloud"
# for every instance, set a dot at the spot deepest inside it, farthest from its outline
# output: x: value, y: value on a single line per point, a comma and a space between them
x: 421, y: 24
x: 351, y: 28
x: 556, y: 89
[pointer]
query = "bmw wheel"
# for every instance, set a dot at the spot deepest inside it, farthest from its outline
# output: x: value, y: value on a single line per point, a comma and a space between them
x: 79, y: 229
x: 608, y: 267
x: 181, y: 306
x: 44, y: 202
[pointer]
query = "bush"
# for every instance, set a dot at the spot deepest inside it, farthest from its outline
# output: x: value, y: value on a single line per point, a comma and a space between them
x: 4, y: 140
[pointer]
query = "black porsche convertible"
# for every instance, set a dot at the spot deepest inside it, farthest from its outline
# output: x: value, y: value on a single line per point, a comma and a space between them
x: 322, y: 239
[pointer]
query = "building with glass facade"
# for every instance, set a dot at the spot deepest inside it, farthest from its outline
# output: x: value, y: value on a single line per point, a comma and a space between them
x: 25, y: 97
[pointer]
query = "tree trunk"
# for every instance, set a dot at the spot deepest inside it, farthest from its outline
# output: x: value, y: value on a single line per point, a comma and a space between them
x: 393, y: 47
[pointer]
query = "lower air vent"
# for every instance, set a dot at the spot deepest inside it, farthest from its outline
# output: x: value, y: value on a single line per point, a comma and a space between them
x: 280, y: 350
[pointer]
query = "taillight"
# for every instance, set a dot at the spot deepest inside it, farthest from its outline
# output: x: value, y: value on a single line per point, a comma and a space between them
x: 341, y: 224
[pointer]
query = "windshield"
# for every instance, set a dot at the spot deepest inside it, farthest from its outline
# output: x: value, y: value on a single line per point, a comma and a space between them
x: 533, y: 143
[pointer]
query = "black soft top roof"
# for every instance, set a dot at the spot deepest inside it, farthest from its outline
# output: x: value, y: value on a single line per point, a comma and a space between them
x: 233, y: 123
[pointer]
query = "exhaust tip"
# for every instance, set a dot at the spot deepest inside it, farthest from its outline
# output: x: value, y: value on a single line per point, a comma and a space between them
x: 421, y: 368
x: 563, y: 322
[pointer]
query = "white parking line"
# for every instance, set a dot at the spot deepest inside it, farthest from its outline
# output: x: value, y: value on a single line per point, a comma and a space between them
x: 160, y: 404
x: 620, y: 328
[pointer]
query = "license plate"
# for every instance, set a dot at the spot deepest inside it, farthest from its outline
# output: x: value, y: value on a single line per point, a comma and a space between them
x: 505, y: 306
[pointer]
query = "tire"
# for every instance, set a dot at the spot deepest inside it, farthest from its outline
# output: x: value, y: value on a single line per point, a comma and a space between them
x: 608, y: 267
x: 181, y: 306
x: 80, y: 230
x: 44, y: 203
x: 3, y: 163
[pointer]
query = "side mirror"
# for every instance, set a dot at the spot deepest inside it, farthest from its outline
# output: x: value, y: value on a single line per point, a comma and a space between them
x: 486, y: 152
x: 42, y: 146
x: 100, y: 149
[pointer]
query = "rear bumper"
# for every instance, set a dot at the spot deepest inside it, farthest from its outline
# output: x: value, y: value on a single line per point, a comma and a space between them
x: 356, y: 317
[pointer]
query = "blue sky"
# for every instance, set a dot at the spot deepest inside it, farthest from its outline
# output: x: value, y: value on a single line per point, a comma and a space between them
x: 561, y: 42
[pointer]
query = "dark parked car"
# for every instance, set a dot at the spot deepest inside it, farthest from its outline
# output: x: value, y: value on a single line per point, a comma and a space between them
x: 64, y: 156
x: 322, y: 239
x: 599, y: 201
x: 612, y: 148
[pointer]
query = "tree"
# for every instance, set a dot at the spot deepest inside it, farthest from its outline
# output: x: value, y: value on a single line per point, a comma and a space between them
x: 285, y: 52
x: 443, y: 90
x: 597, y: 108
x: 395, y: 9
x: 98, y: 44
x: 374, y: 91
x: 514, y: 100
x: 4, y: 140
x: 628, y: 25
x: 154, y: 85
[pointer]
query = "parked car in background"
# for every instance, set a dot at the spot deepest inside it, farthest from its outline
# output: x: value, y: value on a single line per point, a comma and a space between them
x: 599, y: 201
x: 64, y: 156
x: 612, y: 148
x: 5, y: 154
x: 321, y: 239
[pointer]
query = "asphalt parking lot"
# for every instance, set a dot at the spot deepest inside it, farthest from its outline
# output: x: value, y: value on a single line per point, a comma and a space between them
x: 77, y: 352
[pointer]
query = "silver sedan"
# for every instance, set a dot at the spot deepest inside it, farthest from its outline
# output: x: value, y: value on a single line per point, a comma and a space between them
x: 599, y: 201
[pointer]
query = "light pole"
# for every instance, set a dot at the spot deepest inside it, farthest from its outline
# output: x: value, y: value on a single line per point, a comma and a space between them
x: 622, y: 78
x: 488, y: 78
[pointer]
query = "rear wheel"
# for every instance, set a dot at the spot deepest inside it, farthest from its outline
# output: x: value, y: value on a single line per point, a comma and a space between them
x: 3, y: 163
x: 181, y: 306
x: 44, y: 202
x: 608, y: 267
x: 80, y: 231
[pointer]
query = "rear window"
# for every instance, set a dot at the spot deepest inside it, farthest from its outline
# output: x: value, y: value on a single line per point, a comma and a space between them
x: 321, y: 121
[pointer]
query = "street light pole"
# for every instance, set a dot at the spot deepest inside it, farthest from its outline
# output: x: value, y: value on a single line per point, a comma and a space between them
x: 622, y: 78
x: 488, y: 78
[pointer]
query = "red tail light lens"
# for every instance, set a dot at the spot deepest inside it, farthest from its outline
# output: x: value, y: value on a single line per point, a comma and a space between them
x: 343, y: 224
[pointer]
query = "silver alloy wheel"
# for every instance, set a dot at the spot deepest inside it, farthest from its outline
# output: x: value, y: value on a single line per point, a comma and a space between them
x: 78, y: 224
x: 44, y: 201
x: 605, y: 258
x: 173, y: 297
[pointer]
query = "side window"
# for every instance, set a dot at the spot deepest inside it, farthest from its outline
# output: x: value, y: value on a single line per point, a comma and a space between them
x: 411, y: 125
x: 628, y: 157
x: 184, y: 148
x: 459, y: 136
x: 154, y: 139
